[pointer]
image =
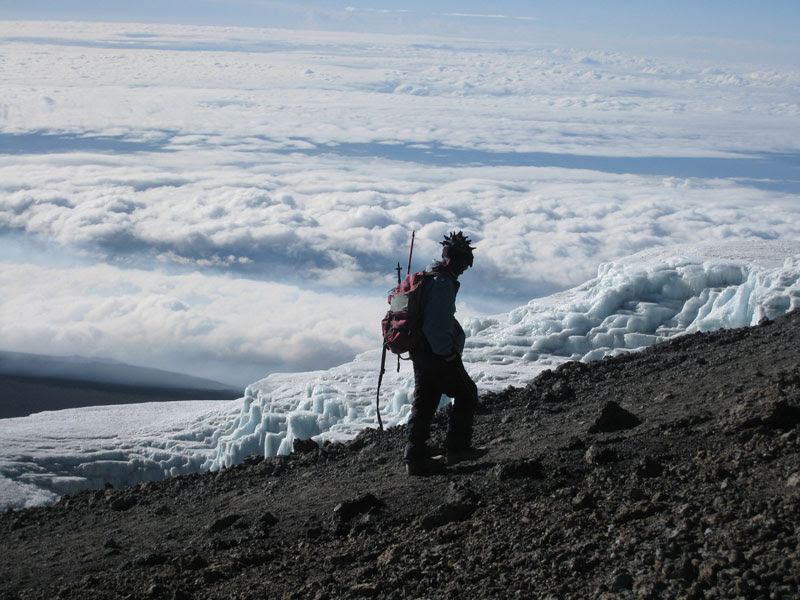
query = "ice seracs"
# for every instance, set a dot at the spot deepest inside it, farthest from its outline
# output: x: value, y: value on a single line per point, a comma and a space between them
x: 632, y: 303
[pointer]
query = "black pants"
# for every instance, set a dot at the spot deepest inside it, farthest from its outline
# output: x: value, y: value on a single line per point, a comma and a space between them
x: 434, y: 376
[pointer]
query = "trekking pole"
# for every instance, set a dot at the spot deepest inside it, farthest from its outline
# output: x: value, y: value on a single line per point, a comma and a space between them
x: 410, y: 251
x: 378, y: 396
x: 408, y: 270
x: 399, y: 270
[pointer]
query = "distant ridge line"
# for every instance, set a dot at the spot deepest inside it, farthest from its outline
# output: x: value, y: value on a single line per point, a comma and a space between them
x: 24, y: 395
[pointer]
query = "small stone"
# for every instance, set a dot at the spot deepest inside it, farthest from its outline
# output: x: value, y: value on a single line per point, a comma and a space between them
x: 265, y: 523
x: 577, y: 564
x: 448, y: 513
x: 223, y: 523
x: 156, y: 590
x: 637, y: 494
x: 363, y: 504
x: 584, y: 499
x: 531, y: 468
x: 649, y: 467
x: 708, y: 570
x: 193, y: 562
x: 614, y: 418
x: 364, y: 589
x: 621, y: 581
x: 634, y: 511
x: 122, y: 503
x: 600, y: 456
x: 575, y: 443
x: 150, y: 559
x: 304, y: 446
x: 390, y: 556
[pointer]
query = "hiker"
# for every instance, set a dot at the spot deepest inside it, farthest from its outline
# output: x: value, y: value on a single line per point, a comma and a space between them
x: 437, y: 365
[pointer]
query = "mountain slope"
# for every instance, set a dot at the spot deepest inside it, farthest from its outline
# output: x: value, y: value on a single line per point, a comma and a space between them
x: 100, y: 370
x: 670, y: 473
x: 31, y: 383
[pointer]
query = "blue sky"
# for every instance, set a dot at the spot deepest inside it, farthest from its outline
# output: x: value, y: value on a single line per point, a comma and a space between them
x: 743, y: 31
x: 771, y: 21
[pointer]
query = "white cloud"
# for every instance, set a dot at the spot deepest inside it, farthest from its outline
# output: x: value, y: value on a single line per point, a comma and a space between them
x: 215, y: 326
x: 296, y: 161
x: 335, y: 215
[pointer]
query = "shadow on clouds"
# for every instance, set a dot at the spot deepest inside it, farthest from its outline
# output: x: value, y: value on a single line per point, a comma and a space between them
x: 769, y: 170
x: 57, y: 143
x: 139, y: 41
x: 774, y: 171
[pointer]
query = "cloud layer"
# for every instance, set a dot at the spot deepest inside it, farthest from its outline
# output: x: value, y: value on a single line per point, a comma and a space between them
x: 230, y: 329
x: 234, y: 200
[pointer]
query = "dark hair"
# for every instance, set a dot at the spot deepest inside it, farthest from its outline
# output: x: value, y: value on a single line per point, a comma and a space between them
x: 456, y: 246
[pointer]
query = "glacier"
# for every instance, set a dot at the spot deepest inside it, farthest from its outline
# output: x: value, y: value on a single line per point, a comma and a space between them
x: 632, y: 303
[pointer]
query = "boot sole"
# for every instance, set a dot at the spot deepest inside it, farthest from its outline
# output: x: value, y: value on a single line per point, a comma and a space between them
x: 434, y: 465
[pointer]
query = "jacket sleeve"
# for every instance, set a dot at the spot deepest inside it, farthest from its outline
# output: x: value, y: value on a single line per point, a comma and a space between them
x: 439, y: 324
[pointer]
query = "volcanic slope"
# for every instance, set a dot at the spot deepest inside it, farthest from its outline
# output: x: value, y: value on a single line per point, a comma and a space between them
x: 668, y: 473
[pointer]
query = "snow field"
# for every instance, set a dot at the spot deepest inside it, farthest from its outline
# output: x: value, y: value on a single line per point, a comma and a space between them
x: 631, y: 304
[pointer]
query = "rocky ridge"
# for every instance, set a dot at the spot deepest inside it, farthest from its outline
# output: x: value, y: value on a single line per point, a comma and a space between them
x: 669, y: 473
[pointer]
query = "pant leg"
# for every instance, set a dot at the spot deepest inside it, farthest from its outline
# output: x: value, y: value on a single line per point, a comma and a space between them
x: 462, y: 389
x: 427, y: 392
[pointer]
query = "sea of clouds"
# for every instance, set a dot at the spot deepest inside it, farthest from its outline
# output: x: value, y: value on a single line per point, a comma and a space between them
x: 230, y: 201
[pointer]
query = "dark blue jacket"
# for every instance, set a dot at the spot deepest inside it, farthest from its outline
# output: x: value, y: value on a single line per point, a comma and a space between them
x: 439, y: 325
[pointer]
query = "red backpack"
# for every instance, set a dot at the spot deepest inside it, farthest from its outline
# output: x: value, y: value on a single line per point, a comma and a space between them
x: 402, y: 325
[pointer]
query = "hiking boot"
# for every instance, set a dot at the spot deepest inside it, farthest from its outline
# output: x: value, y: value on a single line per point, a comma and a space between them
x: 429, y: 466
x: 467, y: 454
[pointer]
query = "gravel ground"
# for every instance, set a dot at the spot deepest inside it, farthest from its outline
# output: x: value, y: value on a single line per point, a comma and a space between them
x: 670, y: 473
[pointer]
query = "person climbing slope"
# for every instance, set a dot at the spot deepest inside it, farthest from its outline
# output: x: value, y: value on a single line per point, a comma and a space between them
x: 438, y: 368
